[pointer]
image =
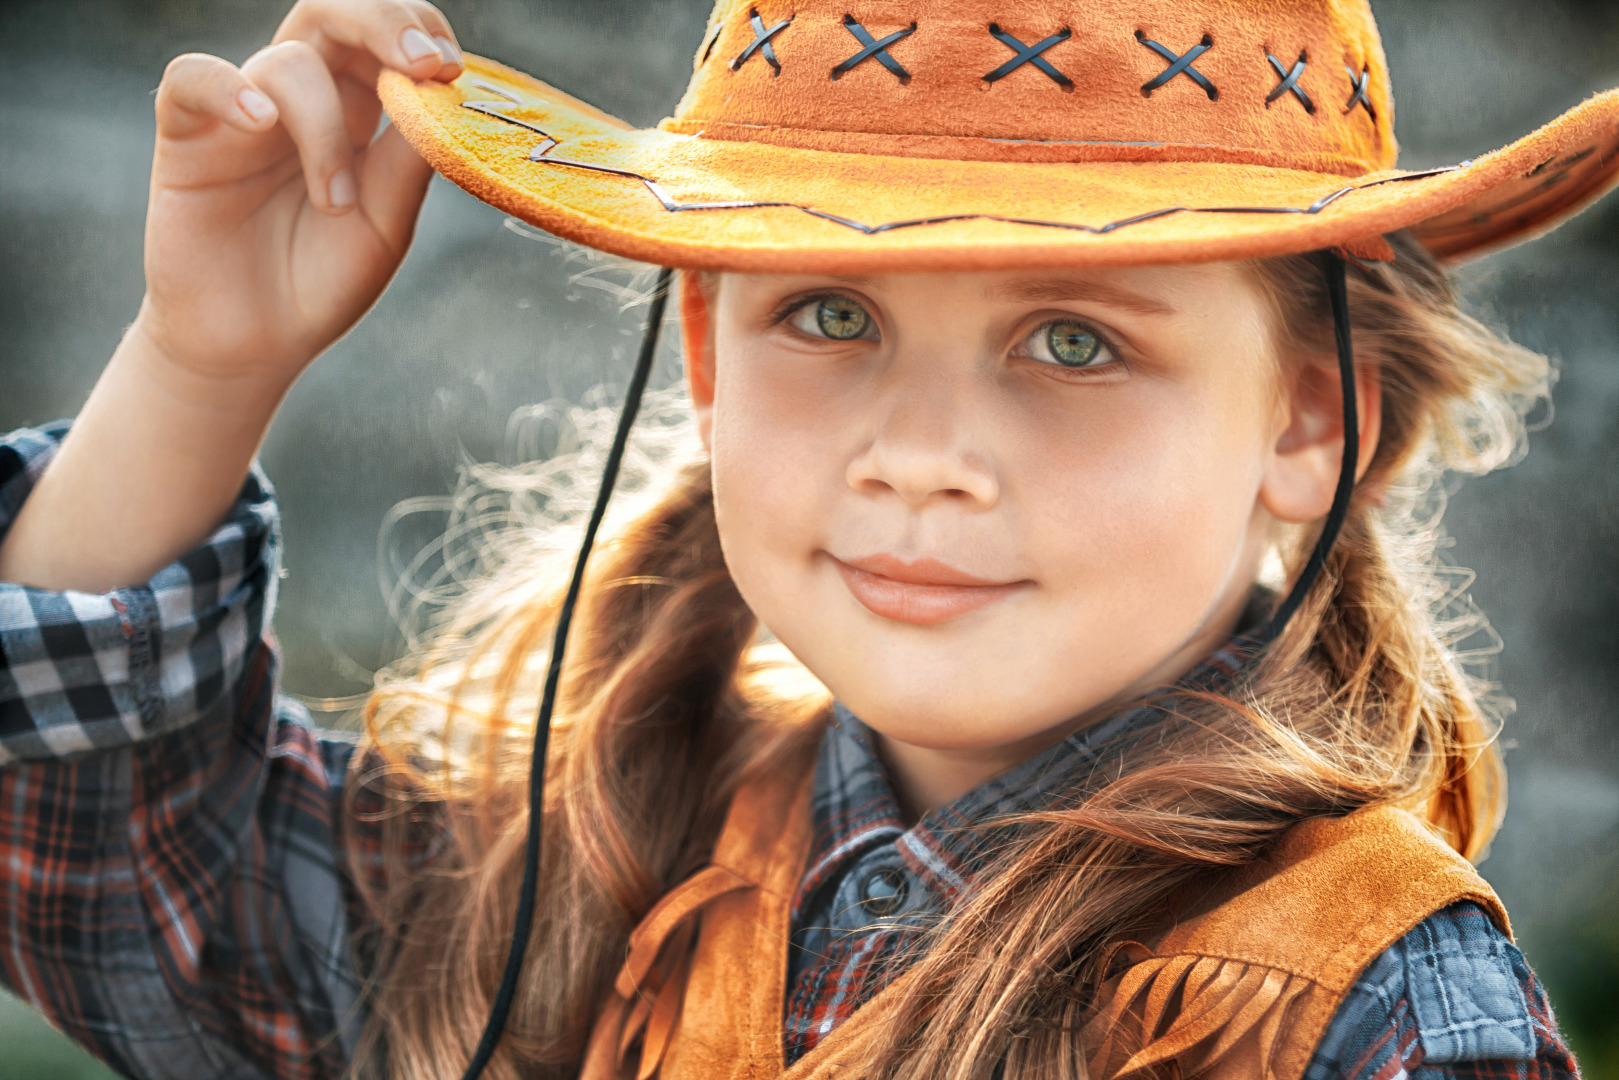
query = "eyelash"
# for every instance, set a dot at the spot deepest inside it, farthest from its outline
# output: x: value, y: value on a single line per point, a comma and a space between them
x: 1110, y: 366
x: 795, y: 304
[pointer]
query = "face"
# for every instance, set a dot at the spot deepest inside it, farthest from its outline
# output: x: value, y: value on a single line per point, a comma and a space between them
x: 980, y: 507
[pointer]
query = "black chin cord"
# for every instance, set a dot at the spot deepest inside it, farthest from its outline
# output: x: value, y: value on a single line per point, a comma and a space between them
x: 507, y: 992
x: 1338, y: 290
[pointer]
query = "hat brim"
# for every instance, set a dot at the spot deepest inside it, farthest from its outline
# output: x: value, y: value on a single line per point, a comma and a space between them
x: 698, y: 203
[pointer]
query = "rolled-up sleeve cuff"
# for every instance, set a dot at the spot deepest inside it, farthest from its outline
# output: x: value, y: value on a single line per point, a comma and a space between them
x: 81, y: 672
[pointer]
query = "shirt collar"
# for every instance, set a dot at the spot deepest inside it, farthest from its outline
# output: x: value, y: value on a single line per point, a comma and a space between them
x: 855, y: 808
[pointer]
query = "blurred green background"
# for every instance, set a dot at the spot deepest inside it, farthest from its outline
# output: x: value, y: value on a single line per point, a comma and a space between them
x: 482, y: 321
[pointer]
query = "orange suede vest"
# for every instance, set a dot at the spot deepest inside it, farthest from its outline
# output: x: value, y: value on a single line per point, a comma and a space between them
x: 1244, y: 987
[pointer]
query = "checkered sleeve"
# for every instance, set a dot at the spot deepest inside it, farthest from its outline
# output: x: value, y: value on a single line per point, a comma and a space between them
x: 1452, y: 1000
x: 85, y: 672
x: 171, y: 890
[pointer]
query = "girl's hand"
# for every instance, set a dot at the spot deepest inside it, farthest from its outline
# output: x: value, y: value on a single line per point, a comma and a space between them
x: 275, y: 220
x: 275, y: 217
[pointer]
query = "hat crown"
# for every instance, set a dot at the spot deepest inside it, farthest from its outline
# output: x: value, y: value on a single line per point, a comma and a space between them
x: 1298, y: 84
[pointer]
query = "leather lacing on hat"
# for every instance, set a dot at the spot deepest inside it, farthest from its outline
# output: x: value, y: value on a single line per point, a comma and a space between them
x: 1030, y: 54
x: 1179, y: 64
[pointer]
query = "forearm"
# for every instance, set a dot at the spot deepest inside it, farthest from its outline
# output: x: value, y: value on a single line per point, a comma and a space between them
x: 150, y: 466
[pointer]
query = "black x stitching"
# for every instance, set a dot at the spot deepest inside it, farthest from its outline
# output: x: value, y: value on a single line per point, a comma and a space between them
x: 1290, y: 81
x: 761, y: 42
x: 871, y: 47
x: 1361, y: 83
x: 1179, y: 65
x: 1030, y: 54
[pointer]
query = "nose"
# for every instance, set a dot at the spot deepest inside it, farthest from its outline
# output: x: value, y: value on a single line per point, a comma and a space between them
x: 921, y: 451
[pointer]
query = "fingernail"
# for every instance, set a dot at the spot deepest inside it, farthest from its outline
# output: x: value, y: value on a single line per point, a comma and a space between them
x: 341, y: 190
x: 257, y: 107
x: 417, y: 46
x: 449, y: 50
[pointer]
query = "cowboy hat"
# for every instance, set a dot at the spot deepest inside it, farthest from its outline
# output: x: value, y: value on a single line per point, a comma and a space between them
x: 885, y: 135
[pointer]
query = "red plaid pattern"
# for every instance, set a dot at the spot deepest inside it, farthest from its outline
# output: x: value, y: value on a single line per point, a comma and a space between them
x: 844, y: 951
x: 172, y: 894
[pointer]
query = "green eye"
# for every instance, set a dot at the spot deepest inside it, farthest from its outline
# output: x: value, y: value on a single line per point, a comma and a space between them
x: 841, y: 318
x: 1071, y: 344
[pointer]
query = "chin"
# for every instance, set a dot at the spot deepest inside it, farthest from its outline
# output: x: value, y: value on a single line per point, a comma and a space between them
x: 943, y: 714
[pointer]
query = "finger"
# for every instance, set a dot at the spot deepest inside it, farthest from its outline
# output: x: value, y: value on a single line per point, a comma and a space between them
x: 393, y: 32
x: 294, y: 76
x: 361, y: 110
x: 197, y: 90
x: 393, y: 180
x: 435, y: 21
x: 448, y: 46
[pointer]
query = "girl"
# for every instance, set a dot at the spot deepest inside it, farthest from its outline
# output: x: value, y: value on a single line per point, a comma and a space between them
x: 1069, y: 389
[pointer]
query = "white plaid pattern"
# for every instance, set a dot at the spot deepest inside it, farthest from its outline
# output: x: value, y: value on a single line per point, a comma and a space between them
x: 86, y: 672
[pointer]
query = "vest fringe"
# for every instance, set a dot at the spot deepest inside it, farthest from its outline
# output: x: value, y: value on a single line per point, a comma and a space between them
x: 652, y: 981
x: 1197, y: 1011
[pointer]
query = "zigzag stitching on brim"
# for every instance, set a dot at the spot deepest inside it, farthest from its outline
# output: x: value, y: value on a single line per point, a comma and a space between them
x: 541, y: 154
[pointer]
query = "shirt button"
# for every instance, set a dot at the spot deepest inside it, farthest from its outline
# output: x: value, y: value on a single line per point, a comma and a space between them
x: 885, y: 892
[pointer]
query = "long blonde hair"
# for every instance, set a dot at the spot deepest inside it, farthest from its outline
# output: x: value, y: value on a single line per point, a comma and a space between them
x: 1371, y: 696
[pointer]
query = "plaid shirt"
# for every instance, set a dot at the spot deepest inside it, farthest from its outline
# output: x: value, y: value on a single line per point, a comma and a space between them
x: 174, y: 893
x: 865, y: 862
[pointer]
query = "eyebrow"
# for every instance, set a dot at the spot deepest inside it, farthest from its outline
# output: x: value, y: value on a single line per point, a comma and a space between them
x: 1056, y: 290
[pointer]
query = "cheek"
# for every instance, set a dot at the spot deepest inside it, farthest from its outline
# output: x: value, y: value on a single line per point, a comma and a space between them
x: 1138, y: 507
x: 776, y: 472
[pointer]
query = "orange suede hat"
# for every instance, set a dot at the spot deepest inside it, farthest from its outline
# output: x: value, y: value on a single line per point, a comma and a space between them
x: 890, y: 135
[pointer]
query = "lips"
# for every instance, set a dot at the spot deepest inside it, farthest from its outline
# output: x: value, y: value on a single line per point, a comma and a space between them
x: 922, y: 592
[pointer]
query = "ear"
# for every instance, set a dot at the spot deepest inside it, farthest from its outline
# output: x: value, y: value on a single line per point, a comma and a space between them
x: 1302, y: 474
x: 697, y: 341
